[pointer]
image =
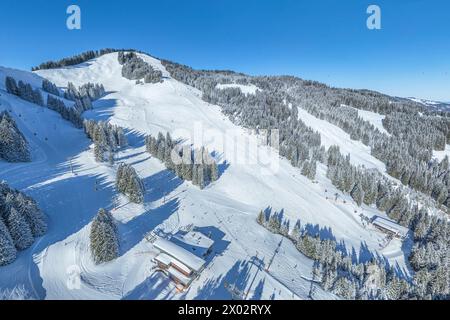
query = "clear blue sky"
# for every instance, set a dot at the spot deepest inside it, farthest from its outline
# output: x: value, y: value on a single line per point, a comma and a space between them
x: 323, y: 40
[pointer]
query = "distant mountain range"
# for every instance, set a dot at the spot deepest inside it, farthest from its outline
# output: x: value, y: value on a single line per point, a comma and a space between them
x: 439, y: 105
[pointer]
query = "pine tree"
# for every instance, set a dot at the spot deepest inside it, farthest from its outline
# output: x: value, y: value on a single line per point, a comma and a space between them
x: 19, y: 229
x: 186, y: 170
x: 344, y: 288
x: 13, y: 146
x: 307, y: 246
x: 201, y: 176
x: 284, y: 229
x: 421, y: 283
x: 169, y: 141
x: 100, y: 152
x: 274, y: 224
x: 440, y: 283
x: 196, y: 166
x: 358, y: 194
x: 168, y: 159
x: 261, y: 218
x: 50, y: 87
x: 128, y: 183
x: 214, y: 172
x: 395, y: 288
x: 309, y: 169
x: 151, y: 145
x: 161, y: 151
x: 195, y: 174
x: 104, y: 241
x: 296, y: 232
x: 121, y: 178
x: 442, y: 195
x: 7, y: 250
x: 72, y: 92
x: 136, y: 189
x: 328, y: 278
x: 37, y: 98
x: 121, y: 138
x: 11, y: 86
x: 32, y: 214
x: 305, y: 169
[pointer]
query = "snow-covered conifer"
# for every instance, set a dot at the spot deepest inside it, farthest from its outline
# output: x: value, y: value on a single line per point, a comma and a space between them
x: 19, y: 230
x: 7, y: 250
x: 104, y: 239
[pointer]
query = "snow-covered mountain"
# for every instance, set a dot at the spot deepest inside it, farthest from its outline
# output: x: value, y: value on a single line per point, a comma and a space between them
x: 433, y: 105
x: 70, y: 186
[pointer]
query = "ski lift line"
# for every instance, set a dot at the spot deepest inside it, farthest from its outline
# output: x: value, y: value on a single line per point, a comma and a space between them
x: 253, y: 280
x: 275, y: 253
x: 248, y: 255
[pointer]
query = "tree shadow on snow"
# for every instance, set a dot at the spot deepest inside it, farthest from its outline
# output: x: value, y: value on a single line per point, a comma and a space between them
x: 241, y: 276
x: 132, y: 232
x: 160, y: 185
x: 135, y: 138
x: 133, y: 163
x: 103, y: 110
x: 81, y: 196
x: 223, y: 167
x: 324, y: 233
x: 130, y: 156
x: 156, y: 286
x: 220, y: 245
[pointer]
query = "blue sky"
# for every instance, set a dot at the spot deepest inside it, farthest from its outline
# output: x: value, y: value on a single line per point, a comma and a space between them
x: 323, y: 40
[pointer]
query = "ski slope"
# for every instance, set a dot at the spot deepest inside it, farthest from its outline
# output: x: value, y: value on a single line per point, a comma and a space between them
x: 333, y: 135
x: 440, y: 155
x: 59, y: 265
x: 374, y: 118
x: 246, y: 89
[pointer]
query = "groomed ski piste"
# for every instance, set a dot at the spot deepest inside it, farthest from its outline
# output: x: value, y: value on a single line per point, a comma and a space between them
x: 70, y: 187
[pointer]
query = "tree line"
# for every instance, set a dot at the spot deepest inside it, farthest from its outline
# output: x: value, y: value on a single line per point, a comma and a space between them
x: 414, y: 132
x: 265, y: 109
x: 23, y: 90
x: 195, y: 165
x: 74, y: 60
x: 407, y: 151
x: 430, y: 252
x: 104, y: 237
x: 72, y: 115
x: 135, y: 68
x: 129, y: 183
x: 13, y: 145
x: 107, y: 139
x: 83, y: 97
x: 21, y: 222
x: 339, y: 273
